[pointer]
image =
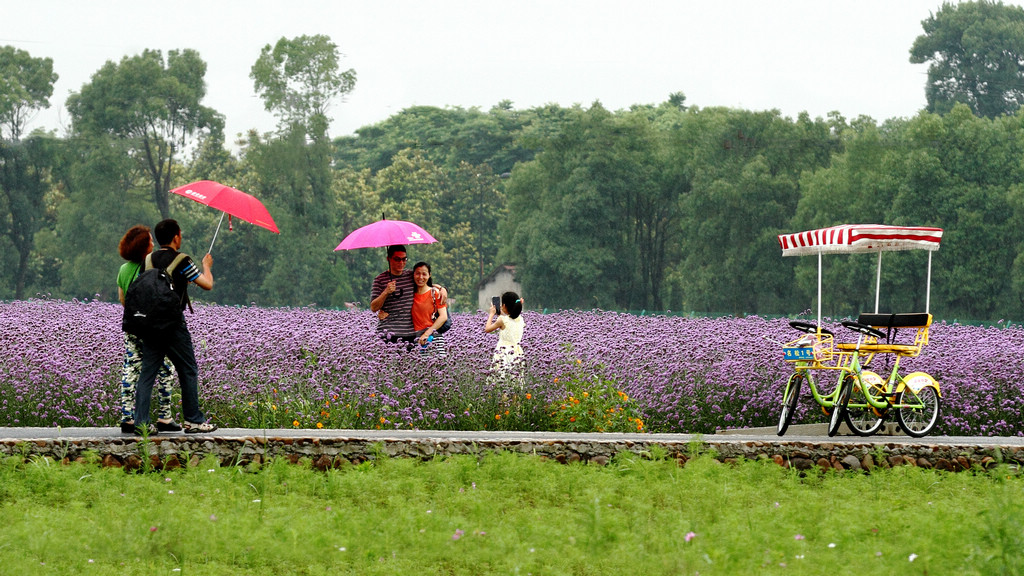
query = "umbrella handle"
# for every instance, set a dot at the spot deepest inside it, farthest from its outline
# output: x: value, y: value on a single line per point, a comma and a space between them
x: 210, y: 251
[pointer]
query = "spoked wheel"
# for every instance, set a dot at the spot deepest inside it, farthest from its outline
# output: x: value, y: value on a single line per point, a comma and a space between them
x: 917, y: 413
x: 839, y: 410
x: 789, y: 399
x: 860, y: 416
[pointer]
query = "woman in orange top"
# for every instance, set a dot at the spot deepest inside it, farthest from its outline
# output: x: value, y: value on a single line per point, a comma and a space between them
x: 427, y: 301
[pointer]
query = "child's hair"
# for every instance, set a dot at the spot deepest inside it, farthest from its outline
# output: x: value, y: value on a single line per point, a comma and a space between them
x: 430, y: 278
x: 513, y: 303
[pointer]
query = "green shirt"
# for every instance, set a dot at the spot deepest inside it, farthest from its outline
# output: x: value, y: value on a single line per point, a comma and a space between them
x: 127, y: 274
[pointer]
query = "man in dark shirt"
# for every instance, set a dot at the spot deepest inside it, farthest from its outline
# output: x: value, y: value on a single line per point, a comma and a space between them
x: 174, y: 342
x: 391, y: 298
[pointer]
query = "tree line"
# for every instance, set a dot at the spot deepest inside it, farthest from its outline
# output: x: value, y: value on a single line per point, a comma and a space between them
x: 664, y: 206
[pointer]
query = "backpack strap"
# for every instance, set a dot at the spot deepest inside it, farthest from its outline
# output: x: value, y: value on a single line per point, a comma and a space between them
x: 138, y: 272
x: 170, y: 267
x: 174, y: 263
x: 170, y: 272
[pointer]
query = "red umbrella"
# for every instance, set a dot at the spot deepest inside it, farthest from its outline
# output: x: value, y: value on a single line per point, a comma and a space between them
x: 385, y: 233
x: 230, y: 201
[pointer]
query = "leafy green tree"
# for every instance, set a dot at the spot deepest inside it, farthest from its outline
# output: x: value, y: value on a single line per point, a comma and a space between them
x: 26, y: 84
x: 102, y: 194
x: 446, y: 136
x: 293, y: 268
x: 976, y: 56
x: 958, y: 173
x: 151, y: 104
x: 24, y: 182
x: 744, y: 169
x: 473, y: 205
x: 590, y: 218
x: 856, y: 187
x: 299, y: 78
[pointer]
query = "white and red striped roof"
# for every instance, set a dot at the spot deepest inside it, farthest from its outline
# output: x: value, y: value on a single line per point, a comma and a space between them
x: 856, y: 238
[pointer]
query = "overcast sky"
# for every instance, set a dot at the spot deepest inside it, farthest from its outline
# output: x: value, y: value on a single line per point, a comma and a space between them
x: 817, y: 56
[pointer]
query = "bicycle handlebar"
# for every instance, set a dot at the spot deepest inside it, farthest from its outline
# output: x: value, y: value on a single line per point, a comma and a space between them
x: 863, y: 329
x: 808, y: 327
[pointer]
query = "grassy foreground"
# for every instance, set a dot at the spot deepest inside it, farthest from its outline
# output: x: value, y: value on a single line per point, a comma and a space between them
x: 507, y: 514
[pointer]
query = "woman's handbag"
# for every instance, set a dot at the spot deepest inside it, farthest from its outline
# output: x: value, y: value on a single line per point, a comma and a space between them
x: 448, y: 322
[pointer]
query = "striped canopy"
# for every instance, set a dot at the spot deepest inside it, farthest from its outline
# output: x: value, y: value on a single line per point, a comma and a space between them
x: 858, y: 238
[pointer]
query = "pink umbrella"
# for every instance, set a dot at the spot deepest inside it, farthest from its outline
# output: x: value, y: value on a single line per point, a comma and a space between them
x: 385, y: 233
x: 230, y: 201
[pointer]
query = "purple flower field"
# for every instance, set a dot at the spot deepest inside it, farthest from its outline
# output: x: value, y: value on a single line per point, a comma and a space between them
x: 302, y: 367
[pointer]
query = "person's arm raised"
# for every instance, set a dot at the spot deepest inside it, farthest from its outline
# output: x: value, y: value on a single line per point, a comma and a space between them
x: 205, y: 280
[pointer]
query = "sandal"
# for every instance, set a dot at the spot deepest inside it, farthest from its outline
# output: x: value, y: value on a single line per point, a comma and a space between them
x: 199, y: 428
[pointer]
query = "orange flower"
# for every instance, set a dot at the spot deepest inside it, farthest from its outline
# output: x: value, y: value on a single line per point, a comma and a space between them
x: 295, y: 423
x: 572, y: 418
x: 383, y: 419
x: 319, y: 424
x: 497, y: 416
x: 586, y: 394
x: 528, y: 396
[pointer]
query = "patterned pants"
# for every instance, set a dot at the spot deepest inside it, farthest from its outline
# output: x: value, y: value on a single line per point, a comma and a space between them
x: 435, y: 348
x: 130, y: 376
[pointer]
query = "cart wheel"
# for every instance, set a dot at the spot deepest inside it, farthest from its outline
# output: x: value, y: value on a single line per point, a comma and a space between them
x: 839, y: 410
x: 789, y: 399
x: 917, y: 413
x: 861, y: 416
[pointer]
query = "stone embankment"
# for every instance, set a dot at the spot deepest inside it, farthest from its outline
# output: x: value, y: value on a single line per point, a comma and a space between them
x: 334, y: 449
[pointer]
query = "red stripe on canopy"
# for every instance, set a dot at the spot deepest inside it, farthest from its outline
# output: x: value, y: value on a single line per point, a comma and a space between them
x: 857, y: 238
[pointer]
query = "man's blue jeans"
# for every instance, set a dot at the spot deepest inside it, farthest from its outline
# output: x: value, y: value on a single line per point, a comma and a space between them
x: 176, y: 345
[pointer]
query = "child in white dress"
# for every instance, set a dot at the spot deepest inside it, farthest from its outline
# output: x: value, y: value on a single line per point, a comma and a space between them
x: 508, y: 353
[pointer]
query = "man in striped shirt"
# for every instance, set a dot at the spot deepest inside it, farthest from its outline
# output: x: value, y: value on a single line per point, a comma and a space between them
x: 391, y: 298
x: 176, y: 341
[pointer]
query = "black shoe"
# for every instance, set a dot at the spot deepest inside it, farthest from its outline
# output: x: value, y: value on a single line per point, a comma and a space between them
x: 127, y: 428
x: 150, y: 430
x: 171, y: 426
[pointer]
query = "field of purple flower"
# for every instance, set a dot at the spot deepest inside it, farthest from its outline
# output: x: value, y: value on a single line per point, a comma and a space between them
x: 586, y: 371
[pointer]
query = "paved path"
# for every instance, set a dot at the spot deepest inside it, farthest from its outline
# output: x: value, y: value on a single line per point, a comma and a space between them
x: 806, y: 433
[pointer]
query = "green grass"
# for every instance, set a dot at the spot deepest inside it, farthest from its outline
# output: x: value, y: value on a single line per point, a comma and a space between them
x: 507, y: 514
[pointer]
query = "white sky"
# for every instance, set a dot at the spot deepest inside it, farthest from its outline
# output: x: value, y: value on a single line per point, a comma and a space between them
x: 792, y: 55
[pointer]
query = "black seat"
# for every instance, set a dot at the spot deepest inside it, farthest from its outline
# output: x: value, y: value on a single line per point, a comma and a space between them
x: 912, y: 320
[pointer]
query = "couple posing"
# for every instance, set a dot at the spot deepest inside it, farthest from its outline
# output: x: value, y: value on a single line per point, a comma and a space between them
x: 406, y: 303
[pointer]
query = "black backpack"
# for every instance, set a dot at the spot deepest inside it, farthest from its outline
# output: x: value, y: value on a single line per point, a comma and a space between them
x: 151, y: 304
